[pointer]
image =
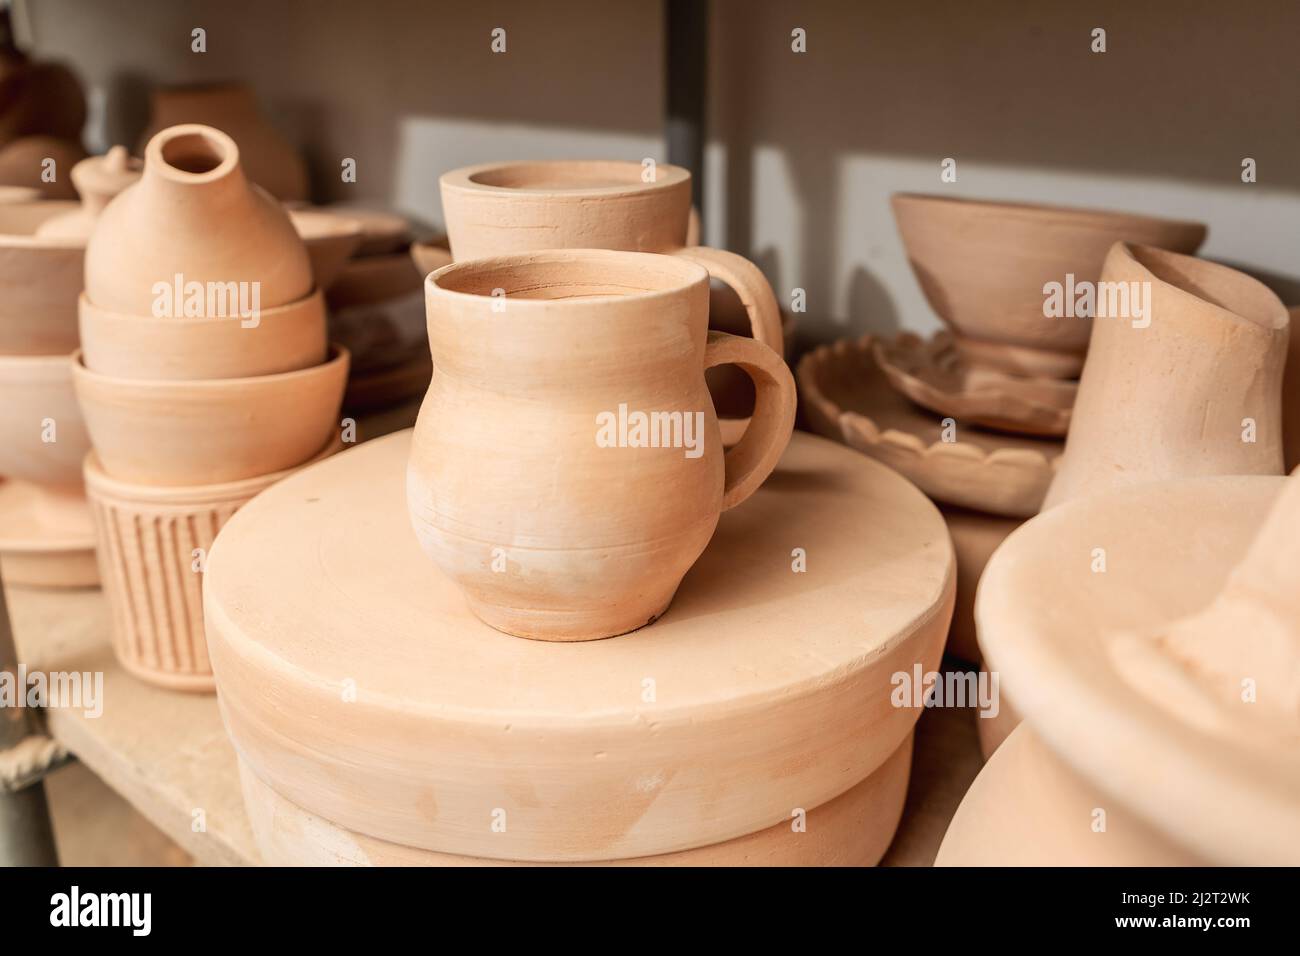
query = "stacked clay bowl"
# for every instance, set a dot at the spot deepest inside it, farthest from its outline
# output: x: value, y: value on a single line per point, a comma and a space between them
x: 46, y: 535
x: 204, y: 376
x: 755, y: 722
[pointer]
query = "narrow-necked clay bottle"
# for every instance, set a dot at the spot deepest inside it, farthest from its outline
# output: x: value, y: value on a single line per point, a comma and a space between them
x: 193, y: 215
x: 98, y: 179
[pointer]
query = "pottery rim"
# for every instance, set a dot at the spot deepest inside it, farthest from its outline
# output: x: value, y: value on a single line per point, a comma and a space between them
x: 1082, y: 215
x: 213, y: 152
x: 31, y: 214
x: 337, y: 354
x: 547, y: 176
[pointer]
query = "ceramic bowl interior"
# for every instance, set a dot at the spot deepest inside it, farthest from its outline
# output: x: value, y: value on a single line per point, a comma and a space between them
x: 568, y: 275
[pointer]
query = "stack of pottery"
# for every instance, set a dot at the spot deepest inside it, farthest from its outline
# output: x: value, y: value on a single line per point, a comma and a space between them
x: 204, y: 376
x: 975, y: 415
x: 46, y: 532
x: 708, y: 669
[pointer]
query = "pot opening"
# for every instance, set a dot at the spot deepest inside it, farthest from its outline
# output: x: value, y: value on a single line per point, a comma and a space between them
x: 193, y: 153
x: 1232, y: 291
x: 561, y: 175
x: 585, y: 274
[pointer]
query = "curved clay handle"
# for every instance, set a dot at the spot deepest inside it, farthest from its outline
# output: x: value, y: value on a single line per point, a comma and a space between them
x: 750, y: 284
x: 752, y: 459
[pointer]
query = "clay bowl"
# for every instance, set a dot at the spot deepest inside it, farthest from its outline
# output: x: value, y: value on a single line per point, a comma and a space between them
x: 431, y: 256
x: 34, y: 388
x: 376, y: 310
x: 284, y: 339
x: 982, y: 265
x: 382, y: 232
x: 330, y: 239
x: 168, y: 432
x: 40, y: 279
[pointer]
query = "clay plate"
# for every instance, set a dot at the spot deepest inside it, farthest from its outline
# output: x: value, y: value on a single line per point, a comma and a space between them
x: 47, y: 539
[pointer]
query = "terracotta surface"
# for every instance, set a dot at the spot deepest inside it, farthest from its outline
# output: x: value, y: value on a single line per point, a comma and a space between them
x: 431, y: 256
x: 933, y: 374
x: 382, y: 231
x: 269, y: 159
x: 520, y: 385
x: 390, y: 385
x: 169, y: 432
x: 39, y: 97
x: 846, y: 397
x: 11, y: 194
x: 975, y: 537
x: 47, y: 538
x: 1133, y: 677
x: 982, y: 265
x: 330, y: 239
x: 1291, y: 396
x: 22, y: 163
x: 376, y: 311
x: 853, y: 829
x: 452, y: 715
x: 1169, y: 400
x: 499, y: 209
x: 152, y: 577
x: 97, y: 180
x: 283, y: 339
x: 179, y: 219
x: 40, y: 279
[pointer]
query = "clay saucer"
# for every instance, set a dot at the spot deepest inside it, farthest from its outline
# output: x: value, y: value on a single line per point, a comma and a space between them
x: 847, y: 397
x: 431, y: 256
x: 934, y: 375
x: 765, y: 688
x: 47, y: 537
x: 330, y: 240
x: 382, y: 231
x: 1133, y: 678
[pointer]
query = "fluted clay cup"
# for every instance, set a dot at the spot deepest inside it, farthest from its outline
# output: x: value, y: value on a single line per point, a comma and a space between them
x: 567, y: 467
x: 499, y: 209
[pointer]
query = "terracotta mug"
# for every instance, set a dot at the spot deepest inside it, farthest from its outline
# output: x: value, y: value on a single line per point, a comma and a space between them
x: 499, y: 209
x: 567, y: 467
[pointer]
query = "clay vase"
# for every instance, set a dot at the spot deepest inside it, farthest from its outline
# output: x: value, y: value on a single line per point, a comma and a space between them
x: 983, y: 267
x: 40, y: 279
x: 1291, y: 396
x: 1172, y: 398
x: 532, y: 482
x: 23, y: 161
x: 501, y: 209
x: 269, y: 160
x: 178, y: 220
x: 97, y: 180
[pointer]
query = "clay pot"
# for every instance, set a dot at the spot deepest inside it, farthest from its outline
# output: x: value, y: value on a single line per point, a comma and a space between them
x: 284, y: 339
x: 269, y: 160
x: 22, y: 163
x: 153, y: 544
x: 1291, y: 396
x: 580, y: 340
x: 40, y: 279
x: 166, y: 432
x: 39, y: 98
x: 179, y: 220
x: 983, y: 267
x: 98, y: 179
x: 42, y: 434
x: 1169, y: 400
x: 330, y: 240
x: 500, y: 209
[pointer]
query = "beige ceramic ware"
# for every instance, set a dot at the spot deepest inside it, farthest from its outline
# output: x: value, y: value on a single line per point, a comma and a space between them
x: 983, y: 265
x: 431, y: 256
x: 1171, y: 399
x: 846, y: 397
x: 501, y: 209
x: 549, y: 379
x: 1169, y: 682
x: 268, y: 158
x: 11, y: 194
x: 853, y: 829
x: 178, y: 220
x: 98, y: 179
x: 40, y: 279
x: 1291, y: 396
x: 283, y: 339
x: 975, y: 537
x: 382, y: 231
x: 330, y: 240
x: 934, y: 375
x: 168, y: 432
x: 616, y: 749
x: 45, y: 534
x: 153, y: 545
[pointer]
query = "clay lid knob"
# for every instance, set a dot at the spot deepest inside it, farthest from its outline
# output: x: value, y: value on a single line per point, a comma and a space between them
x: 99, y: 178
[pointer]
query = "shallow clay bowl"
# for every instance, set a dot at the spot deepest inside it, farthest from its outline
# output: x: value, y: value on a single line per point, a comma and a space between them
x: 40, y: 279
x: 382, y: 232
x: 34, y: 388
x: 431, y: 256
x: 982, y: 265
x: 847, y: 397
x: 284, y: 339
x: 330, y: 240
x: 168, y: 432
x: 1063, y: 638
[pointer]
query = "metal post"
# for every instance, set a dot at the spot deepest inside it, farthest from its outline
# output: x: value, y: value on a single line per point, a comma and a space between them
x: 26, y: 836
x: 686, y: 29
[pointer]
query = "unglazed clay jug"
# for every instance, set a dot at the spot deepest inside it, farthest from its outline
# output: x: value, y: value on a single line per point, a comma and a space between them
x: 567, y: 467
x: 498, y: 209
x: 173, y: 229
x: 269, y: 159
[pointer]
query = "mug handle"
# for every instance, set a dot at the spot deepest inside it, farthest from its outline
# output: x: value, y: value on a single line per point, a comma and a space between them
x: 749, y: 283
x: 751, y: 460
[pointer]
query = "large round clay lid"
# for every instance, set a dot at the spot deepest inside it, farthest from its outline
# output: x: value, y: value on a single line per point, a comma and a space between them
x: 355, y: 681
x: 1075, y: 647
